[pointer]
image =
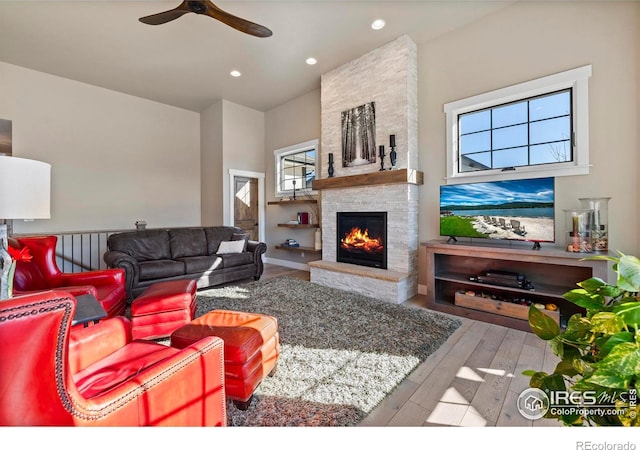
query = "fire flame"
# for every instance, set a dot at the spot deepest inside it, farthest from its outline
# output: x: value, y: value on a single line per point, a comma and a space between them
x: 360, y: 240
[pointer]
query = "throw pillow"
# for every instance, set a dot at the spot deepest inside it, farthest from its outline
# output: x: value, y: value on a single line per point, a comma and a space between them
x: 241, y: 237
x: 227, y: 247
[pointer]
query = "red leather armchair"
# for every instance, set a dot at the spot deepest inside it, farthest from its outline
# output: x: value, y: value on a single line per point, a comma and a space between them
x: 52, y: 375
x: 42, y: 273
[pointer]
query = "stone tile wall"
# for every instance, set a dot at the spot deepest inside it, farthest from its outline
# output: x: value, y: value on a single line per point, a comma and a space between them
x: 387, y: 76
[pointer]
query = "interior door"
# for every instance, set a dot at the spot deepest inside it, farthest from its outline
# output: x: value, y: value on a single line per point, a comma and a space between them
x: 245, y: 206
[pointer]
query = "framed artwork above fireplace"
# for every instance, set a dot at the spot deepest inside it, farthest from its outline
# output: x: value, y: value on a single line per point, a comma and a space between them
x: 359, y: 135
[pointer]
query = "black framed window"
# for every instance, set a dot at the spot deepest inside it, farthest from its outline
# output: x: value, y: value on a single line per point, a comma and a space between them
x: 529, y: 132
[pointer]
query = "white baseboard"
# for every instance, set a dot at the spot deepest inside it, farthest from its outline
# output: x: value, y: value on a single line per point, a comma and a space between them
x: 285, y: 263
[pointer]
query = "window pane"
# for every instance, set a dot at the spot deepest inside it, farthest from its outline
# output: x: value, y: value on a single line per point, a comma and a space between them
x: 477, y: 121
x: 553, y: 105
x: 550, y: 130
x: 510, y: 115
x: 551, y: 153
x: 475, y: 142
x: 510, y: 136
x: 477, y: 161
x: 513, y: 157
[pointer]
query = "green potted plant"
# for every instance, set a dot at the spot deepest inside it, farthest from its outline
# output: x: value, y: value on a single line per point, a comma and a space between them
x: 599, y: 352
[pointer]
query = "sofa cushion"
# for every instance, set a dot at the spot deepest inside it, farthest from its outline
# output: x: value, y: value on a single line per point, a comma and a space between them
x: 162, y: 268
x: 236, y: 259
x: 197, y: 264
x: 144, y: 245
x: 215, y: 235
x: 187, y: 242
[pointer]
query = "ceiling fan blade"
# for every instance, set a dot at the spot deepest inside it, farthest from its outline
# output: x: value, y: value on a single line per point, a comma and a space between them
x: 166, y: 16
x: 238, y: 23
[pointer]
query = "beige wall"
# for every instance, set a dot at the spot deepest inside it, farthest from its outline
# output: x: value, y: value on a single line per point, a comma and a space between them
x: 115, y: 158
x: 211, y: 158
x: 291, y: 123
x: 530, y: 40
x: 243, y: 149
x: 232, y: 138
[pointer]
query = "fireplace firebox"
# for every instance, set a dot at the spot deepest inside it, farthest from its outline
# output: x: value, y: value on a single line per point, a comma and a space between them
x: 362, y: 238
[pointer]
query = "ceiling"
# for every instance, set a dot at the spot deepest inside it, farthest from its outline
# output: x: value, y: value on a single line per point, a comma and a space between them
x: 186, y: 62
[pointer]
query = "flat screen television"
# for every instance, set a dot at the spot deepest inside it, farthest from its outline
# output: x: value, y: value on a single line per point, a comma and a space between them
x: 520, y: 210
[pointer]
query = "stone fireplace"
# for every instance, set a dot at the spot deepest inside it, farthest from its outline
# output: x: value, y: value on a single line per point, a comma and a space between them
x: 387, y: 77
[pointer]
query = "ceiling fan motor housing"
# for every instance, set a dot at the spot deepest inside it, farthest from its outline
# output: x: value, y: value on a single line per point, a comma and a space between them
x: 197, y: 7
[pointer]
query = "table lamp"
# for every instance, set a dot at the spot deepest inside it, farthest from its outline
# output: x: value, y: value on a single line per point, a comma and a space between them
x: 25, y: 193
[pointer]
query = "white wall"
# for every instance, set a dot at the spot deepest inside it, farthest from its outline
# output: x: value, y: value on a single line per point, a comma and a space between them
x: 115, y: 158
x: 530, y: 40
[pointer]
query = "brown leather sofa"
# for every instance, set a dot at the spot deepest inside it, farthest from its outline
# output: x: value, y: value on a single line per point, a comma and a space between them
x: 150, y: 256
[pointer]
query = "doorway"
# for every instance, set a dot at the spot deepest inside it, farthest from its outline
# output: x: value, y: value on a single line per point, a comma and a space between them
x: 246, y: 205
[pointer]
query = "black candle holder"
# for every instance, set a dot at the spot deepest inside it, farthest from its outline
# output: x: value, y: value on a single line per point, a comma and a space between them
x: 382, y: 158
x: 393, y: 156
x: 330, y: 170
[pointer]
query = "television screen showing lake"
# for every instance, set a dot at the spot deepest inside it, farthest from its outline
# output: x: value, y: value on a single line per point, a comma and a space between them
x: 509, y: 209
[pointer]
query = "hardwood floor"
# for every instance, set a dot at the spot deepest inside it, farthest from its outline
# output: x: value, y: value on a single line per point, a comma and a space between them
x: 472, y: 380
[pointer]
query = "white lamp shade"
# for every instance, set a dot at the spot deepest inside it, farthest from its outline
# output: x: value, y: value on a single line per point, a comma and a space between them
x: 25, y: 188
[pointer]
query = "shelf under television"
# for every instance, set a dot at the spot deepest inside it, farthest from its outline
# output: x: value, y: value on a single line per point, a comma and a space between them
x: 540, y: 290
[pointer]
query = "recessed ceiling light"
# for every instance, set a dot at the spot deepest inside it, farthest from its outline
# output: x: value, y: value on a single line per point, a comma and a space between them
x: 235, y: 73
x: 378, y: 24
x: 311, y: 61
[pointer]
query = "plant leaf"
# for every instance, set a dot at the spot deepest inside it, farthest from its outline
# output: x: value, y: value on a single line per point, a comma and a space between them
x: 592, y: 285
x: 606, y: 323
x: 605, y: 379
x: 629, y: 312
x: 611, y: 291
x: 578, y: 329
x: 554, y: 382
x: 542, y: 325
x: 623, y: 359
x: 537, y: 378
x: 582, y: 367
x: 582, y: 298
x: 629, y: 273
x: 565, y: 367
x: 607, y: 344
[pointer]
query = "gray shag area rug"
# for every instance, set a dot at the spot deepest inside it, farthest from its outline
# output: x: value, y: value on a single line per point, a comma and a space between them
x: 341, y: 353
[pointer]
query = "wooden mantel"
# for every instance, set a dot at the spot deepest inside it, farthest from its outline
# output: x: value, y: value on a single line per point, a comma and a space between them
x: 399, y: 176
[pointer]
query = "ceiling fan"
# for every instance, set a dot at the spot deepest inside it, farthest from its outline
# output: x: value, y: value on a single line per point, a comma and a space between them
x: 207, y: 8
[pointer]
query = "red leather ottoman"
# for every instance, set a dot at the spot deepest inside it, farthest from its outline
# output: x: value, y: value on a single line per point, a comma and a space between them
x: 162, y: 308
x: 251, y: 348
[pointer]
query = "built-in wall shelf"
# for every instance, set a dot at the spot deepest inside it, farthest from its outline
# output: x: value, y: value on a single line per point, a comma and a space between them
x: 298, y: 225
x: 292, y: 202
x: 298, y: 249
x: 398, y: 176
